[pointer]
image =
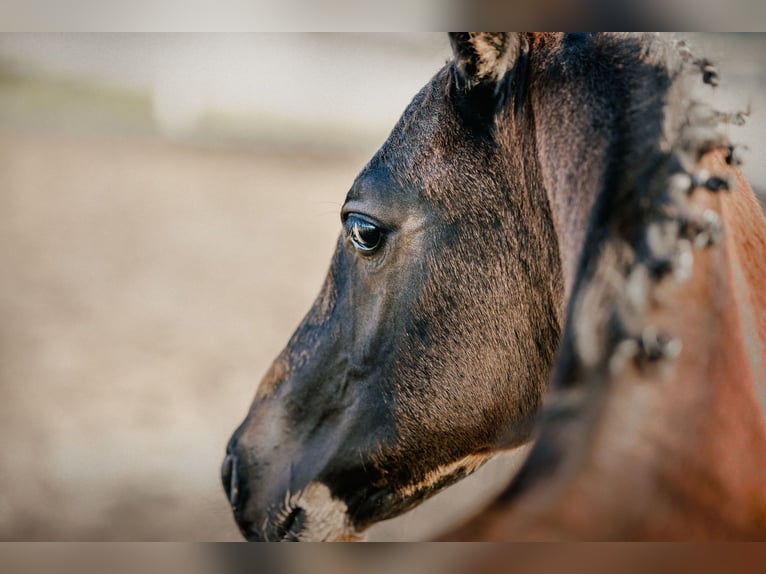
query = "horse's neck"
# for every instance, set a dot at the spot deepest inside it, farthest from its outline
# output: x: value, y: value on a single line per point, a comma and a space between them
x: 669, y: 450
x: 683, y: 448
x: 747, y: 256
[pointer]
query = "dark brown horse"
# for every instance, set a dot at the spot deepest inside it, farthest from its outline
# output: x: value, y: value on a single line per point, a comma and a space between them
x: 431, y: 343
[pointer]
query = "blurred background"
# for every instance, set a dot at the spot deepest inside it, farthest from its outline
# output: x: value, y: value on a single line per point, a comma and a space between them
x: 150, y: 191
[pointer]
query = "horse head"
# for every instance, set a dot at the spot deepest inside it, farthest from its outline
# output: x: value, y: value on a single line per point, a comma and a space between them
x: 430, y: 343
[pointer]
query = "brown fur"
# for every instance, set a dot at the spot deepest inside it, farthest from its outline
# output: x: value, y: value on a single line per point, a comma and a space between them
x: 667, y: 451
x: 748, y: 256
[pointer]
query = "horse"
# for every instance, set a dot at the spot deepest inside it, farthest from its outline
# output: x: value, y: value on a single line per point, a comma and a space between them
x: 432, y: 341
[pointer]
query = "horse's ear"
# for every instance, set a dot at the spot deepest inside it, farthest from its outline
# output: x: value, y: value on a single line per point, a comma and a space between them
x: 483, y: 58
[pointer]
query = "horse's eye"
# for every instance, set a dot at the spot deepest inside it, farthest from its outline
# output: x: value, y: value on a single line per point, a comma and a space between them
x: 365, y: 235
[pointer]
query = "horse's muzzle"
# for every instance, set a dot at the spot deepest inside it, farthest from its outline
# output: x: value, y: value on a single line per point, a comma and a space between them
x: 281, y: 488
x: 234, y: 481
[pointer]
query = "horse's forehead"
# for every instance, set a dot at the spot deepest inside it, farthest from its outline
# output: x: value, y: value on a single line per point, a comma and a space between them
x: 419, y: 144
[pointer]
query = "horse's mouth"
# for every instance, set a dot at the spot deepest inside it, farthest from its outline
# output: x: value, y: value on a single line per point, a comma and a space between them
x: 310, y: 514
x: 298, y: 524
x: 290, y: 528
x: 287, y: 531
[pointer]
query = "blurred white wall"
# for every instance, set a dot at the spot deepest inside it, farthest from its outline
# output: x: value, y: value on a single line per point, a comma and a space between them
x: 323, y: 89
x: 277, y: 86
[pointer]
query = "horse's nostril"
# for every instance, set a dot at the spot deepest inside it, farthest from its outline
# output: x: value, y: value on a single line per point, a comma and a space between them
x: 230, y: 479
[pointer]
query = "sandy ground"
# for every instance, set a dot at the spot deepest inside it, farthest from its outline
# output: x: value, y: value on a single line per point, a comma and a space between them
x: 146, y: 286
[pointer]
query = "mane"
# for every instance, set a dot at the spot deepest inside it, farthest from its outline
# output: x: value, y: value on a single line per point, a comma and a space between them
x: 643, y: 230
x: 620, y: 451
x: 641, y: 239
